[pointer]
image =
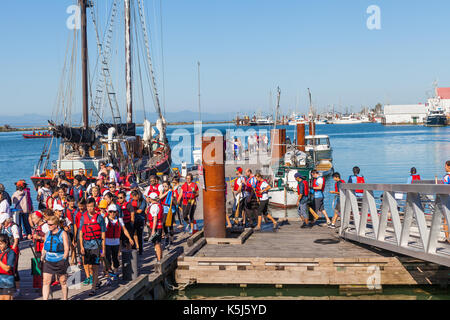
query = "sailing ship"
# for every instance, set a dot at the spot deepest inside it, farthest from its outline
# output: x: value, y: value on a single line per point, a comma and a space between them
x: 83, y: 148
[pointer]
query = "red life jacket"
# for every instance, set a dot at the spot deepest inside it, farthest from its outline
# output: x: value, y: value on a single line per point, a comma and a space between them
x: 80, y: 193
x: 91, y: 228
x: 69, y: 214
x: 49, y: 202
x: 102, y: 190
x: 61, y: 202
x: 4, y: 259
x: 315, y: 185
x: 127, y: 180
x: 126, y: 215
x: 159, y: 218
x: 415, y: 177
x: 360, y: 180
x: 153, y: 189
x: 164, y: 200
x: 188, y: 191
x: 336, y: 185
x: 248, y: 185
x: 236, y: 184
x: 258, y: 190
x: 39, y: 244
x: 305, y: 188
x: 113, y: 230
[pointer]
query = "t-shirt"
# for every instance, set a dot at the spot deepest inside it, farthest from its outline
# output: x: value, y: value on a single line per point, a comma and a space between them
x: 109, y: 241
x: 112, y: 176
x: 265, y: 195
x: 43, y: 194
x: 4, y: 207
x: 318, y: 193
x: 93, y: 244
x: 13, y: 231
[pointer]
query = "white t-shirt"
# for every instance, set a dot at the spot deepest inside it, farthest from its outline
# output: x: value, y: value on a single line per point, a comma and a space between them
x: 112, y: 176
x: 15, y: 232
x: 154, y: 210
x: 240, y: 181
x: 4, y: 207
x: 265, y: 196
x: 43, y: 194
x: 109, y: 241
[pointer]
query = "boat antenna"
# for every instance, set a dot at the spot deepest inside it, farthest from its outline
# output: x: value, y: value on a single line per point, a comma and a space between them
x: 277, y: 107
x: 84, y: 59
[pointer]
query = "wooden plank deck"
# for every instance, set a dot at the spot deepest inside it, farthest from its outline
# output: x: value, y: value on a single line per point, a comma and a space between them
x: 292, y: 255
x: 146, y: 264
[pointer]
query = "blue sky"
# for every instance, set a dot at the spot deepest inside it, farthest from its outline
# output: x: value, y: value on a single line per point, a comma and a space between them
x: 247, y: 48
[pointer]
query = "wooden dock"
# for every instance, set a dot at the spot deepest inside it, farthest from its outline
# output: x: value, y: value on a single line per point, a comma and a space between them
x: 294, y: 256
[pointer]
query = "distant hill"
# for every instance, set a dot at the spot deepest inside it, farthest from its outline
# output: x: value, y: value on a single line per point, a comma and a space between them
x: 28, y: 120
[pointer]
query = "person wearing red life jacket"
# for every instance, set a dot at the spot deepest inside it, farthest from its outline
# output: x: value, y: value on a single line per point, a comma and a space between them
x: 136, y: 206
x: 92, y: 243
x: 7, y: 264
x: 96, y: 195
x: 414, y: 176
x: 112, y: 188
x: 357, y: 178
x: 155, y: 214
x: 302, y: 201
x: 61, y: 199
x: 38, y: 236
x: 337, y: 187
x: 114, y: 228
x: 76, y: 227
x: 262, y: 189
x: 238, y: 192
x: 190, y: 193
x: 70, y: 212
x: 77, y: 190
x: 176, y: 206
x: 125, y: 215
x: 154, y: 186
x: 166, y: 199
x: 250, y: 199
x: 318, y: 188
x: 12, y: 230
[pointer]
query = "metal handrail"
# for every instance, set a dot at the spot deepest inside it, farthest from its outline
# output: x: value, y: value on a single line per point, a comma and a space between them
x: 413, y: 232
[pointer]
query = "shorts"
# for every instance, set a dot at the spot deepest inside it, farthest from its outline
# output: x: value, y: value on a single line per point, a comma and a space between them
x: 318, y: 205
x: 92, y: 256
x: 58, y: 268
x: 337, y: 206
x: 158, y: 236
x: 263, y: 206
x: 302, y: 210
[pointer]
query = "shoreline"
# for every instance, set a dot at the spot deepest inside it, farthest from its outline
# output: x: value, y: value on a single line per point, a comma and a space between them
x: 37, y: 128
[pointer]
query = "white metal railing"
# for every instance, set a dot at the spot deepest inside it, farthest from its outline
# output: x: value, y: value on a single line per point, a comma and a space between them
x: 415, y: 227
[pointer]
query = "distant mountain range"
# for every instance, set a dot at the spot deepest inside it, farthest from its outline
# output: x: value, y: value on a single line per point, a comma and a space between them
x: 28, y: 120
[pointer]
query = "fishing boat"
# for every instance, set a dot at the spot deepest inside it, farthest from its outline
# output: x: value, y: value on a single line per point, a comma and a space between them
x: 83, y: 148
x: 39, y: 135
x: 436, y: 118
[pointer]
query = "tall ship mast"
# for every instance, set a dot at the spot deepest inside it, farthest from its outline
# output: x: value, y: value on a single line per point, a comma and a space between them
x: 83, y: 148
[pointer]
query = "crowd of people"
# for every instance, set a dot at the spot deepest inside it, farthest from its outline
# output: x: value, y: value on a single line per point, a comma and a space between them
x: 87, y: 223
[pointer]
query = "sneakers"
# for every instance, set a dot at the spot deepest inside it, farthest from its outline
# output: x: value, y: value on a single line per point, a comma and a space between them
x: 108, y: 282
x: 87, y: 281
x: 304, y: 225
x: 332, y: 226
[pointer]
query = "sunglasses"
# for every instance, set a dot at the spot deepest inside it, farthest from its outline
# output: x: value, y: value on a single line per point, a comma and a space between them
x: 51, y: 224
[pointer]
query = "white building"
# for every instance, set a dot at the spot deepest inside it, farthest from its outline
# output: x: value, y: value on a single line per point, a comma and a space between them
x: 404, y: 114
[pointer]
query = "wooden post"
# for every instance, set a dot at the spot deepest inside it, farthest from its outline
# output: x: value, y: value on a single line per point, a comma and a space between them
x: 301, y: 136
x: 275, y: 142
x: 283, y: 142
x: 214, y: 192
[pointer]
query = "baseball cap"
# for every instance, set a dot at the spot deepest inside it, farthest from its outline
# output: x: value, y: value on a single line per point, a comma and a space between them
x: 112, y: 207
x: 4, y: 217
x: 239, y: 169
x: 39, y: 214
x: 21, y: 183
x: 58, y: 207
x: 103, y: 204
x: 298, y: 175
x: 110, y: 165
x: 153, y: 196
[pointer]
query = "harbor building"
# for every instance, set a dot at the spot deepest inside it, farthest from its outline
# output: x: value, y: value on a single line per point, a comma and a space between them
x: 404, y: 114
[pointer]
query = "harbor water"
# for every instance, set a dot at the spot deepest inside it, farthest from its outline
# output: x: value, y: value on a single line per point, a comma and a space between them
x: 385, y: 154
